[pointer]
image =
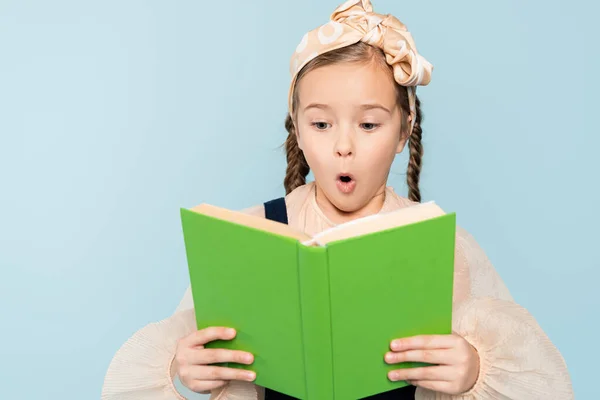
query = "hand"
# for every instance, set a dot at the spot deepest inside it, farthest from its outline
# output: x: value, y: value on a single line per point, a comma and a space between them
x: 192, y: 361
x: 456, y: 362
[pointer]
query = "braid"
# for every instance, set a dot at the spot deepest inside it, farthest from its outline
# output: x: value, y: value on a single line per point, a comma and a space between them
x: 413, y: 171
x: 297, y: 167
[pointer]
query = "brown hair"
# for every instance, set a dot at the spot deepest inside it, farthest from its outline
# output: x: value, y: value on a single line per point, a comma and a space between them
x: 297, y: 167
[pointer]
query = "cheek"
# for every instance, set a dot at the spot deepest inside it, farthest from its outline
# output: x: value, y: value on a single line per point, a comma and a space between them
x: 317, y: 154
x: 315, y: 149
x: 380, y: 153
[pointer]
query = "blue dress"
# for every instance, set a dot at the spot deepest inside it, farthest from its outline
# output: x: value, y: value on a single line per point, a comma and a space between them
x: 276, y: 210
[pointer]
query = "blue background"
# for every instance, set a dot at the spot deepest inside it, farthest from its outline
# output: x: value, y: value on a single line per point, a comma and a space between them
x: 114, y: 114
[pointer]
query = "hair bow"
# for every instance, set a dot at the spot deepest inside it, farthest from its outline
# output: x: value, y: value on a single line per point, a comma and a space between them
x: 355, y: 21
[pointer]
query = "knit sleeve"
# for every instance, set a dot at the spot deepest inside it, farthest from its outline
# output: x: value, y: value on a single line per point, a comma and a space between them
x: 517, y: 359
x: 142, y: 366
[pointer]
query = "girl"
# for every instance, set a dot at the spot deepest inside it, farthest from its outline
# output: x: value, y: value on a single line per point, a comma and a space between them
x: 352, y: 108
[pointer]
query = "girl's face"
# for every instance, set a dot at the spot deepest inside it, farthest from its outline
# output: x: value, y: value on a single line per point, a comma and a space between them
x: 349, y: 128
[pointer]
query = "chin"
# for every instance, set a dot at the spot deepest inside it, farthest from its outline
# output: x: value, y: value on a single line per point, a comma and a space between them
x: 347, y: 203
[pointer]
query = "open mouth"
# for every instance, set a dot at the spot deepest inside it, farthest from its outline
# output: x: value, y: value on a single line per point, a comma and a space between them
x: 345, y: 183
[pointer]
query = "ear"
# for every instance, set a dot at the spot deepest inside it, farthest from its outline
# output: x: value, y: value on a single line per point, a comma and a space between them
x: 404, y: 138
x: 297, y: 133
x: 401, y: 144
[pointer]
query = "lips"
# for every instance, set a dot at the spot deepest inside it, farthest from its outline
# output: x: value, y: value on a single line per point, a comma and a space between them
x: 345, y: 183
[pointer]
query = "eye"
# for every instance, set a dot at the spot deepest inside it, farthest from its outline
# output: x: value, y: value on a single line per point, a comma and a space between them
x: 369, y: 126
x: 321, y: 126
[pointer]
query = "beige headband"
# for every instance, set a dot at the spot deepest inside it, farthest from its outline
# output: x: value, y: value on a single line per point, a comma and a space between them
x: 355, y: 21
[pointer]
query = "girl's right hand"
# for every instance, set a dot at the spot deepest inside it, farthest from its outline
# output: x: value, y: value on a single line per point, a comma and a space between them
x: 192, y: 361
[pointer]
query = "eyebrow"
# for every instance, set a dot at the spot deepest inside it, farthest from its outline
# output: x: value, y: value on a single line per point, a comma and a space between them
x: 366, y: 106
x: 371, y: 106
x: 317, y: 105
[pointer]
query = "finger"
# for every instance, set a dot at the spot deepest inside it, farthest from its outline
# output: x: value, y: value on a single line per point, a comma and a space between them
x: 424, y: 342
x: 212, y: 373
x: 435, y: 356
x: 436, y: 386
x: 205, y: 387
x: 191, y: 376
x: 433, y: 373
x: 203, y: 336
x: 212, y: 356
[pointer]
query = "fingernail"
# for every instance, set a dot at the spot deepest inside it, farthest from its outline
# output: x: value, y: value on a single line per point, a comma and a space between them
x: 251, y: 376
x: 395, y: 345
x: 248, y: 358
x: 389, y: 357
x: 392, y: 376
x: 230, y: 331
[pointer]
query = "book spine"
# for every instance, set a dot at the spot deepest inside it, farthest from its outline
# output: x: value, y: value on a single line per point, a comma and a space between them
x: 315, y: 305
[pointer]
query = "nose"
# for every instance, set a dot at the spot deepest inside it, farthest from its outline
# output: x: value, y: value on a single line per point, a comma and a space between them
x: 344, y: 146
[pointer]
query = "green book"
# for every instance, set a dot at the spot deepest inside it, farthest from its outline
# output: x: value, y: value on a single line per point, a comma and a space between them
x: 319, y: 313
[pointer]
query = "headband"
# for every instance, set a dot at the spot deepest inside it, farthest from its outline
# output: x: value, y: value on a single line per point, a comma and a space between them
x: 355, y: 21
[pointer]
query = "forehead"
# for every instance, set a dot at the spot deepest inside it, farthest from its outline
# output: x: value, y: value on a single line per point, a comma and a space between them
x: 347, y: 85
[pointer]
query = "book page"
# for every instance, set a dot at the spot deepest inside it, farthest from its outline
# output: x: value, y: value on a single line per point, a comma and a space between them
x: 250, y: 221
x: 376, y: 223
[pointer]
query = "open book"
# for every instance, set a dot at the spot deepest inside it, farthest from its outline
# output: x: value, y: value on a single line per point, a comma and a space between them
x: 319, y: 313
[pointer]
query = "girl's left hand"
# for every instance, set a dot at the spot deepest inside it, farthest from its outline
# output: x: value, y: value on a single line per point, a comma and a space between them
x: 456, y: 362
